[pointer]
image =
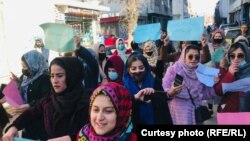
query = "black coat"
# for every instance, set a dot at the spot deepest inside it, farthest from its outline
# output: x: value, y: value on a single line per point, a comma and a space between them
x: 63, y: 125
x: 160, y: 106
x: 36, y: 91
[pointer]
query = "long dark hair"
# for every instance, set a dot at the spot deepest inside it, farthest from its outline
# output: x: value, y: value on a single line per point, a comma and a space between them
x: 194, y: 47
x: 134, y: 57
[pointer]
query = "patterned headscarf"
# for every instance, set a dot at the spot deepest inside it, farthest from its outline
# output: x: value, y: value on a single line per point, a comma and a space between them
x: 121, y: 99
x: 152, y: 60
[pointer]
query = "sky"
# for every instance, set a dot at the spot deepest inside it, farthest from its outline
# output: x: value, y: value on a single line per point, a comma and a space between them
x: 203, y: 7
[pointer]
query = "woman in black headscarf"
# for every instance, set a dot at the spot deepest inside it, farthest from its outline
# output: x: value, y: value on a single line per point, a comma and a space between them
x: 64, y: 110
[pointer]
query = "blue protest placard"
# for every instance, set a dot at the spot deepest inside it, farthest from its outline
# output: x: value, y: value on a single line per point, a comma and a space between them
x: 59, y: 37
x: 22, y: 139
x: 186, y: 29
x: 146, y: 32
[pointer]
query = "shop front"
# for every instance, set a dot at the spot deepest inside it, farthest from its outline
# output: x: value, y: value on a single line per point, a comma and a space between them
x: 84, y: 18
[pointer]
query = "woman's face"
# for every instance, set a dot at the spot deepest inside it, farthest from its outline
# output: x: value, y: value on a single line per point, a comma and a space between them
x: 101, y: 49
x: 243, y: 28
x: 137, y: 71
x: 217, y: 36
x: 39, y: 43
x: 149, y: 50
x: 103, y: 115
x: 58, y: 78
x: 120, y: 42
x: 237, y: 56
x: 192, y: 58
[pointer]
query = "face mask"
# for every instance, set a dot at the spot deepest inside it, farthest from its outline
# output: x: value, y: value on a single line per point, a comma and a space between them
x: 138, y: 76
x: 113, y: 75
x: 121, y: 47
x: 149, y: 53
x: 26, y: 72
x: 218, y: 41
x: 102, y: 56
x: 242, y: 63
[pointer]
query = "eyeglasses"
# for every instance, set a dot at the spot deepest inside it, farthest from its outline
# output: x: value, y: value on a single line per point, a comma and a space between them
x: 196, y: 57
x: 240, y: 56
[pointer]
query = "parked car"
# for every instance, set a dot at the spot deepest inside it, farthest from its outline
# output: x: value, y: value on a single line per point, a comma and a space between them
x: 231, y: 33
x: 109, y: 40
x: 224, y: 26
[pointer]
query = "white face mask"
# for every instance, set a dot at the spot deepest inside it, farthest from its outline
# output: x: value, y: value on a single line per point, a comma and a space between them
x: 113, y: 75
x: 242, y: 63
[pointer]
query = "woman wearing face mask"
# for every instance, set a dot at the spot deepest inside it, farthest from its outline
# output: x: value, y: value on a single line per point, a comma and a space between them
x: 101, y: 58
x: 217, y: 48
x: 114, y: 69
x: 150, y: 53
x: 63, y: 110
x: 181, y: 107
x: 121, y: 49
x: 141, y: 84
x: 33, y: 84
x: 239, y: 68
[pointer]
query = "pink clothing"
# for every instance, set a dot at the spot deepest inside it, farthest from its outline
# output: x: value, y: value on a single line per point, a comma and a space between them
x: 181, y: 107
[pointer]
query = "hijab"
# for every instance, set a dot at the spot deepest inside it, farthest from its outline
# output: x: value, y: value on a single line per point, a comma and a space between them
x: 129, y: 83
x: 36, y: 64
x: 121, y: 53
x: 118, y: 64
x: 223, y: 43
x: 190, y: 72
x: 70, y: 99
x: 244, y: 71
x: 122, y: 102
x: 152, y: 59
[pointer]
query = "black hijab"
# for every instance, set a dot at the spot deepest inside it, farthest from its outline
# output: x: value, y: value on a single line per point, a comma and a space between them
x: 72, y: 98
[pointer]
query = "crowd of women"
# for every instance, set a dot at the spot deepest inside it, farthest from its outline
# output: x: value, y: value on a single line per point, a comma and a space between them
x: 90, y: 96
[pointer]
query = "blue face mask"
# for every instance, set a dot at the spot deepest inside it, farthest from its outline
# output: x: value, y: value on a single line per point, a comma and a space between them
x: 242, y: 63
x: 113, y: 75
x: 121, y: 47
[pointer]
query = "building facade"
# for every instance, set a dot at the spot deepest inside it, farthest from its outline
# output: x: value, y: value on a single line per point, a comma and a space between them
x: 82, y: 16
x: 234, y: 11
x: 180, y: 10
x: 150, y: 11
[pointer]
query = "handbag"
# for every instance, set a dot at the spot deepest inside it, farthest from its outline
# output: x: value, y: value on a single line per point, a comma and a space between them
x: 201, y: 113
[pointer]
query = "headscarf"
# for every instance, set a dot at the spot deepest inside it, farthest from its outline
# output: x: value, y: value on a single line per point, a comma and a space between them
x: 129, y: 83
x: 118, y: 64
x: 70, y: 99
x: 152, y: 60
x: 96, y: 50
x: 242, y: 39
x: 244, y: 71
x: 223, y: 43
x: 121, y: 53
x: 36, y: 64
x: 100, y: 64
x: 121, y: 99
x: 146, y: 109
x: 190, y: 72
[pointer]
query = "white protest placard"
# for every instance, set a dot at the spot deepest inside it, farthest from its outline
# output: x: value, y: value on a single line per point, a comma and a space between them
x: 206, y: 74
